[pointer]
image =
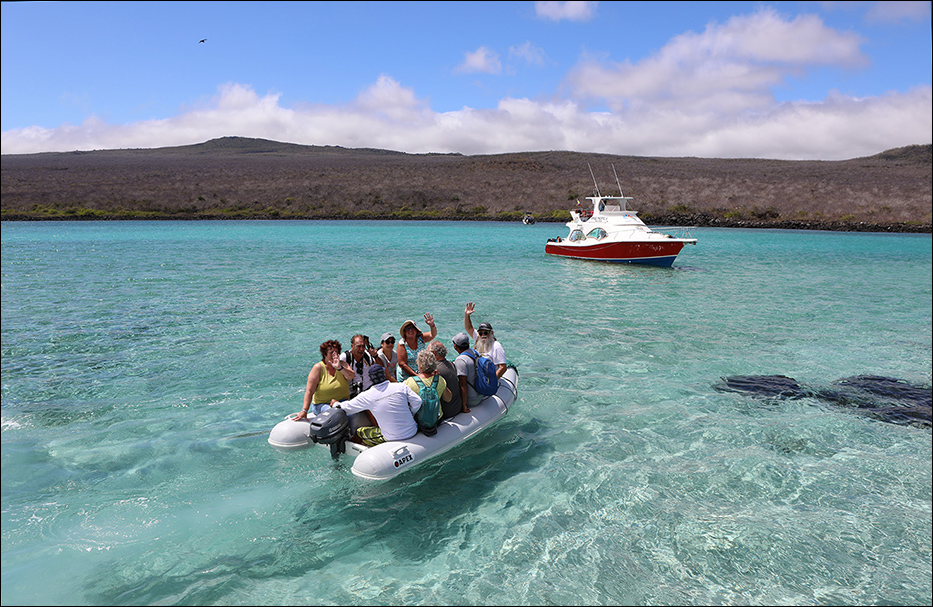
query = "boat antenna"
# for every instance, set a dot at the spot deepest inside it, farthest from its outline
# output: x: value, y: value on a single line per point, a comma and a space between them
x: 594, y: 179
x: 617, y: 180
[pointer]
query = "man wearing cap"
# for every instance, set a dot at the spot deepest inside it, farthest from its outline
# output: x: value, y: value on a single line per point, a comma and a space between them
x: 387, y: 356
x: 496, y: 352
x: 391, y: 406
x: 466, y: 373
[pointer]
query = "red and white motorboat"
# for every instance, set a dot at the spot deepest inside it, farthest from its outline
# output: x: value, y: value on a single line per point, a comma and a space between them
x: 609, y: 231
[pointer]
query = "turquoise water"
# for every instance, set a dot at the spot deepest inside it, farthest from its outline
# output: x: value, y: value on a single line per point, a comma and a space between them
x: 143, y: 364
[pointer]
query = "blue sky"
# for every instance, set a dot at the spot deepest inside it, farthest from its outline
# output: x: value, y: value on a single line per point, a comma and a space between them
x: 788, y: 80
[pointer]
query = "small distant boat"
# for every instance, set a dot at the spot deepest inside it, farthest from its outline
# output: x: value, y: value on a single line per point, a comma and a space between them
x: 609, y: 231
x: 528, y: 219
x: 388, y: 459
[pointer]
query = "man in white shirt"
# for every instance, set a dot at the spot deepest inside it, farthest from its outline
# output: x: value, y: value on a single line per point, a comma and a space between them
x: 496, y: 352
x: 392, y: 405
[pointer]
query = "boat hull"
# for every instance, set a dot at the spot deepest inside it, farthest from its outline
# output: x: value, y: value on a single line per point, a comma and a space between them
x: 389, y: 459
x: 658, y: 253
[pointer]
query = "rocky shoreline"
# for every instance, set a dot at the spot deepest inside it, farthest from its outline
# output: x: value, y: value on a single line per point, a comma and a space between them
x: 706, y: 221
x: 698, y: 220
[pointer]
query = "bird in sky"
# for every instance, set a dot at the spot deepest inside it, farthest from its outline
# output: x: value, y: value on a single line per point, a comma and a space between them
x: 202, y: 40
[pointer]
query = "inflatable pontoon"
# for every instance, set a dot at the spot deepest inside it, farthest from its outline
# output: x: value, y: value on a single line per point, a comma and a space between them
x: 386, y: 460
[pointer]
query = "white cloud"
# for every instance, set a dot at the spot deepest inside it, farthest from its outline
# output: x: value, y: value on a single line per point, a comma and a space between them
x: 481, y: 60
x: 390, y: 99
x: 569, y: 11
x: 727, y: 66
x: 838, y: 127
x: 528, y: 52
x: 704, y: 94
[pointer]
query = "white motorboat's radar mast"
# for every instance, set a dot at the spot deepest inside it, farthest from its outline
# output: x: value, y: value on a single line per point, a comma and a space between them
x: 611, y: 203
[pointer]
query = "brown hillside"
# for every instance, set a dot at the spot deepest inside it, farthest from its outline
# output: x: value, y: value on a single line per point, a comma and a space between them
x: 236, y: 177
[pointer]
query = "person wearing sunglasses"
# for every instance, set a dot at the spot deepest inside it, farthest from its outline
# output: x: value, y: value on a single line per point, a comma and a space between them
x: 387, y: 356
x: 496, y: 351
x: 413, y: 341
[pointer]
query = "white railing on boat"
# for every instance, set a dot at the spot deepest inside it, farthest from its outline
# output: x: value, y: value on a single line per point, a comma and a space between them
x: 677, y: 232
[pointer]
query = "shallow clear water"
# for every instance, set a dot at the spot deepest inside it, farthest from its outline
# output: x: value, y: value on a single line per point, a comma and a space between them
x: 143, y: 364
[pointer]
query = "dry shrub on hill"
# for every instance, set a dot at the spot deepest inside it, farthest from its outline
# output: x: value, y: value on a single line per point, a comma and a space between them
x: 250, y: 178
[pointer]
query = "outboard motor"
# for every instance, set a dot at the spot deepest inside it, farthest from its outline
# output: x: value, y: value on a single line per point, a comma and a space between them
x: 331, y: 427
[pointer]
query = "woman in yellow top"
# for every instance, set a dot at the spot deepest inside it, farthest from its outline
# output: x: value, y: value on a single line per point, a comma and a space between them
x: 328, y: 379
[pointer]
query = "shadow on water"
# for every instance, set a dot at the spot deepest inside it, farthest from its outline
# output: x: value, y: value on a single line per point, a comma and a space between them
x: 216, y: 579
x: 411, y: 518
x: 416, y: 513
x: 884, y: 398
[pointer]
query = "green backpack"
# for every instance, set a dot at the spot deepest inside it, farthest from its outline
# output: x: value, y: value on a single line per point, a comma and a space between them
x: 430, y: 412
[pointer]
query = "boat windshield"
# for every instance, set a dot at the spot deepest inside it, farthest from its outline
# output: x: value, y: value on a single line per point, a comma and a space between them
x: 597, y: 233
x: 576, y: 235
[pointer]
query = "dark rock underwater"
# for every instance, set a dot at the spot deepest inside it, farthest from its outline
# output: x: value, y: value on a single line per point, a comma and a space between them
x: 885, y: 398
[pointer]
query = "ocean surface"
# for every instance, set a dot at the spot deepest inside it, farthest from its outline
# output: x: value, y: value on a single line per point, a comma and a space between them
x: 144, y: 363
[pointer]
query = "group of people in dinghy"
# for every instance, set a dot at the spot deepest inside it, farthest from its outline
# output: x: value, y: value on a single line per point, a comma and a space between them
x: 392, y: 392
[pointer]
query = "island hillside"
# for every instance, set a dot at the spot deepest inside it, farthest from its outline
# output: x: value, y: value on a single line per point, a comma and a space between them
x: 241, y: 178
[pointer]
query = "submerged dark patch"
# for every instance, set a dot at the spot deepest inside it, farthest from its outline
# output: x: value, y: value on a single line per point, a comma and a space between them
x: 763, y: 385
x: 885, y: 398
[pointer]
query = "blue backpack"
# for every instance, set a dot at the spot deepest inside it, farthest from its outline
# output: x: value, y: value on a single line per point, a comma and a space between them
x: 430, y: 411
x: 487, y: 382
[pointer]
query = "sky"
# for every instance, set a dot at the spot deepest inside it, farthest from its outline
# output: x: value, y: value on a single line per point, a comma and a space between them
x: 779, y: 80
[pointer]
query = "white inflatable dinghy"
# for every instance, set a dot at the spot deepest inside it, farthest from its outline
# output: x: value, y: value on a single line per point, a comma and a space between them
x: 386, y: 460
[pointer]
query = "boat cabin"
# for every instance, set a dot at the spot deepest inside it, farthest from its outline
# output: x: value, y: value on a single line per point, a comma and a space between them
x: 605, y: 209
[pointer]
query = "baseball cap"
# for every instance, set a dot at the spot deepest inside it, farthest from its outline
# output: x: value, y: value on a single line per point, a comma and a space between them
x: 377, y: 374
x: 461, y: 339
